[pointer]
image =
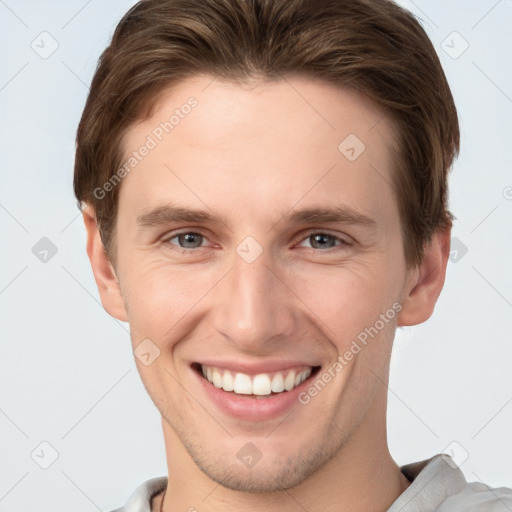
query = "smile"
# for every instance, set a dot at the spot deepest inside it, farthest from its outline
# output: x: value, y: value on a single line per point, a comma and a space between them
x: 262, y: 384
x: 247, y: 392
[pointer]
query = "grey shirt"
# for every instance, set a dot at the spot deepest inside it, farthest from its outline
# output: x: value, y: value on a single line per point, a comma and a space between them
x: 438, y: 485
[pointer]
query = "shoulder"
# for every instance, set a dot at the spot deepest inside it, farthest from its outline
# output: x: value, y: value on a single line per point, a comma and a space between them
x: 438, y: 485
x: 140, y: 500
x: 478, y: 497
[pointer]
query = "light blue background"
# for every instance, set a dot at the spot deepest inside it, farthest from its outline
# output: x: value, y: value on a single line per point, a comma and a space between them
x: 67, y: 374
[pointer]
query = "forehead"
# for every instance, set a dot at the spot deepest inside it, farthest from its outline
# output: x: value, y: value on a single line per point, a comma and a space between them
x: 295, y: 100
x: 297, y: 134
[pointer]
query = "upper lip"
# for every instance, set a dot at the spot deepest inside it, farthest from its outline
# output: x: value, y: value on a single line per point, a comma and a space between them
x: 254, y: 368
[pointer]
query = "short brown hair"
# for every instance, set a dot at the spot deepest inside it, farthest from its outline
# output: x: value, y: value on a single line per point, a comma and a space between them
x: 371, y: 46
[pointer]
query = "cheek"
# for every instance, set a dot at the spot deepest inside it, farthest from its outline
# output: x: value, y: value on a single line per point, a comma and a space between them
x: 160, y: 298
x: 342, y: 300
x: 345, y: 301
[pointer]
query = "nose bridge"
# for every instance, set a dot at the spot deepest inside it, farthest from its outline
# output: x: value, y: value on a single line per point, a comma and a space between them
x: 252, y: 307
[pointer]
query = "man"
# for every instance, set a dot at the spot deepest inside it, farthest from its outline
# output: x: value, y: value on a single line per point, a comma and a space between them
x: 264, y: 188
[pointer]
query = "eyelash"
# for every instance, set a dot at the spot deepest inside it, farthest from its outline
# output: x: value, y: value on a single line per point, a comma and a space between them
x: 342, y: 242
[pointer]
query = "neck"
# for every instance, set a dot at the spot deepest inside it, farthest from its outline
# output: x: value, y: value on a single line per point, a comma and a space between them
x: 362, y: 476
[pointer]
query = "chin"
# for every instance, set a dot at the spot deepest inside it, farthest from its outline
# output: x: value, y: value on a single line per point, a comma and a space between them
x: 271, y: 473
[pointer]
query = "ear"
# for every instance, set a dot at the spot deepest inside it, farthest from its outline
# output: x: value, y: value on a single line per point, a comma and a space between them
x: 426, y: 281
x: 103, y: 270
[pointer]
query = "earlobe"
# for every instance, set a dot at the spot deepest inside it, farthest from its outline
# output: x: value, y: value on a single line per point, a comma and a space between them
x: 103, y: 270
x: 426, y: 281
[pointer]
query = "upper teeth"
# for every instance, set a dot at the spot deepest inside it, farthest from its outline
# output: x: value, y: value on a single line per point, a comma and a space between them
x: 261, y: 384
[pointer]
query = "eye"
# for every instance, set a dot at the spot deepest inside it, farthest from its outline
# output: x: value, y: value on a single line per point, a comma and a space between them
x: 319, y: 240
x: 187, y: 240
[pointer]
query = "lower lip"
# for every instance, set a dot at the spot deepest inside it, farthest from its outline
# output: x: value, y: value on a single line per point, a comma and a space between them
x: 247, y: 407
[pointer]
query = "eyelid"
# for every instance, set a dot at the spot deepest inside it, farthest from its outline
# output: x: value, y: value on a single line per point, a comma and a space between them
x: 173, y: 234
x: 345, y: 240
x: 303, y: 237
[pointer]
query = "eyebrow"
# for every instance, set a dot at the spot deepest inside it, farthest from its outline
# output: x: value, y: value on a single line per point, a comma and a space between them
x: 167, y: 214
x: 342, y: 215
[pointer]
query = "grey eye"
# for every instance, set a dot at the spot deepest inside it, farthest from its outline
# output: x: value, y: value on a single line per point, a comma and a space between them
x: 322, y: 241
x: 189, y: 240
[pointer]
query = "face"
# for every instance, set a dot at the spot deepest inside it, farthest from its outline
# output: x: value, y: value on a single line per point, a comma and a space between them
x: 258, y: 242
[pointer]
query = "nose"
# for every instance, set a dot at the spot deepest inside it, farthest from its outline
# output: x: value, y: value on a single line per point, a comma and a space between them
x: 254, y: 307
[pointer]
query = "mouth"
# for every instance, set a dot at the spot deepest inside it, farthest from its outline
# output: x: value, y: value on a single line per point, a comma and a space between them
x: 258, y: 386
